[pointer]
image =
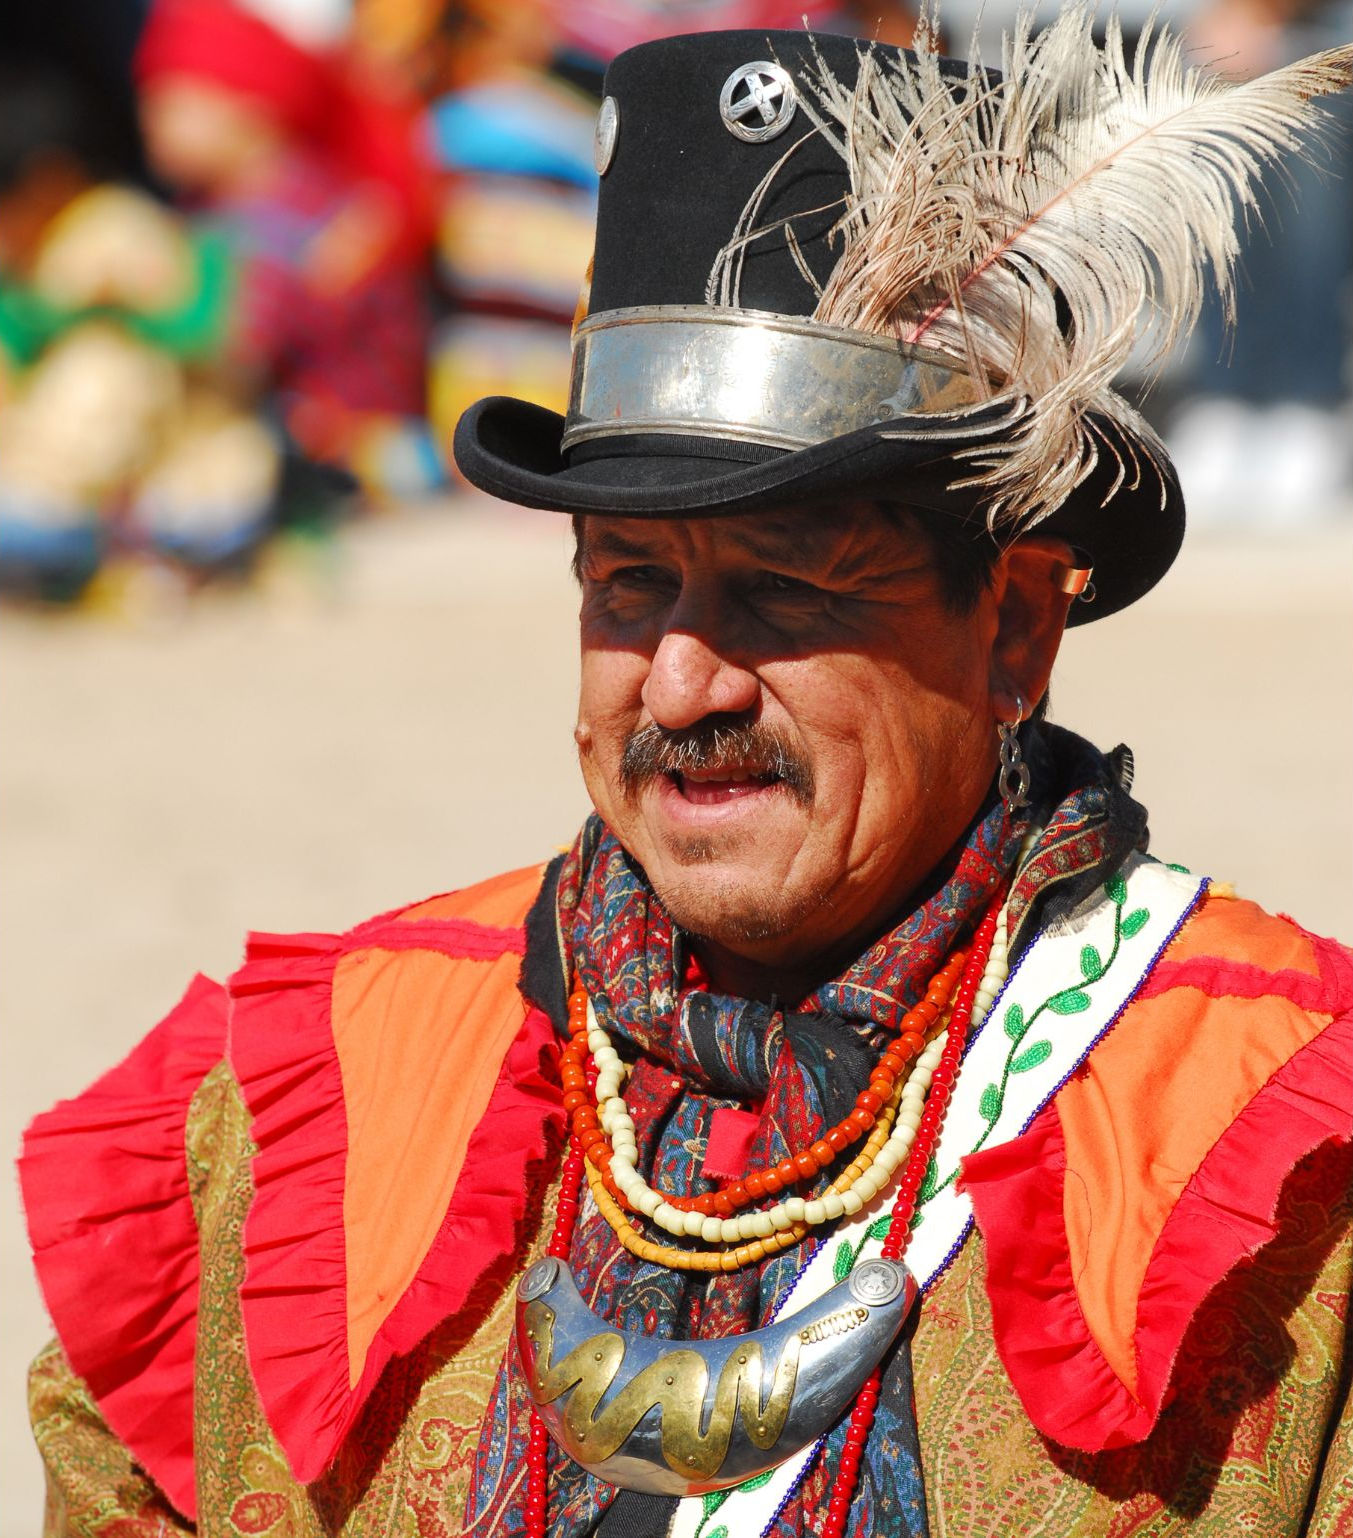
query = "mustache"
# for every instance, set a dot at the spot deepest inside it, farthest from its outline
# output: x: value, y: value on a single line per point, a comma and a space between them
x: 750, y: 747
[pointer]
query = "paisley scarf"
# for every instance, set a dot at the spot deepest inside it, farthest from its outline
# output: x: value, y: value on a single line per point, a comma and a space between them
x: 696, y: 1053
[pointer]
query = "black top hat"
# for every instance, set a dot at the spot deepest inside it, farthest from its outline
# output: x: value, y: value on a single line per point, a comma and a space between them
x: 695, y: 396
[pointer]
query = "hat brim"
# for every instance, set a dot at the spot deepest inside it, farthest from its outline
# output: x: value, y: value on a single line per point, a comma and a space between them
x: 513, y: 450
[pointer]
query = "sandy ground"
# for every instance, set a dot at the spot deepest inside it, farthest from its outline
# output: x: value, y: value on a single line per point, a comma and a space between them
x: 319, y: 750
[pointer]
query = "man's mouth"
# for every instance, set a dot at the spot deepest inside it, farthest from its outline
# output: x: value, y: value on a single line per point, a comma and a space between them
x: 711, y: 787
x: 711, y: 764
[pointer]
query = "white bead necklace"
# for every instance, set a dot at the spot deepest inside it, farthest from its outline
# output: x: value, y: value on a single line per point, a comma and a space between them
x: 615, y: 1120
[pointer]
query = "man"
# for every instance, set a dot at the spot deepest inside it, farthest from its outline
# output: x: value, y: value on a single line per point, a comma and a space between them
x: 860, y: 982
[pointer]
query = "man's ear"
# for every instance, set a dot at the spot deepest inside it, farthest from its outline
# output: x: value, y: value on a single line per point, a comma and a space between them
x: 1031, y: 611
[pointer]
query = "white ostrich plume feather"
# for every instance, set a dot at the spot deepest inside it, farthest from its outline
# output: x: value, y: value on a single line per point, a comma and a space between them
x: 1046, y: 228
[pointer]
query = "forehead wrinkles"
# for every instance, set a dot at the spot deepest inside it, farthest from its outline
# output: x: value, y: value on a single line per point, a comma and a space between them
x: 840, y: 541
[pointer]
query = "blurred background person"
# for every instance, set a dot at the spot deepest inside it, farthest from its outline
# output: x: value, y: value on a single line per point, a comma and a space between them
x: 1264, y: 431
x: 311, y: 171
x: 108, y: 306
x: 514, y: 92
x: 510, y: 124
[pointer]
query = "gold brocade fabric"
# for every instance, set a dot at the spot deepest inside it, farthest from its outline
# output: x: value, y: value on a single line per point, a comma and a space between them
x: 1259, y: 1440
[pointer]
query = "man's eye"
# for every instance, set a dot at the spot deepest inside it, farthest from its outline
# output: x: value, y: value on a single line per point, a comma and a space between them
x: 640, y: 583
x: 637, y: 577
x: 779, y: 585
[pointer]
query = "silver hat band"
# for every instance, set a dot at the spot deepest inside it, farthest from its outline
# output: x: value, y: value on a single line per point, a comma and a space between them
x: 748, y: 375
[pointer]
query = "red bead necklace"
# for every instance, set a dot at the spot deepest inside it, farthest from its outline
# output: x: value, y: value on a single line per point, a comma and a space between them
x: 804, y: 1166
x: 894, y: 1246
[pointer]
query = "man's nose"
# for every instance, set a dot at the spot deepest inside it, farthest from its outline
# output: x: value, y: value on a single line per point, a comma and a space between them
x: 690, y: 678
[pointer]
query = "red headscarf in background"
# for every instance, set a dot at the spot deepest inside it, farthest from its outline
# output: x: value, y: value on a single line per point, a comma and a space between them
x: 364, y: 132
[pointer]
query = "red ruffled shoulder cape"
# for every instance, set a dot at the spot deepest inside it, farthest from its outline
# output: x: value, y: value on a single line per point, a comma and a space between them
x: 1158, y: 1167
x: 365, y: 1232
x: 110, y: 1217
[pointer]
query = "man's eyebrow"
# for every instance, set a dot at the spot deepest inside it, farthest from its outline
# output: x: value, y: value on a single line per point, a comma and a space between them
x: 812, y: 545
x: 602, y: 540
x: 772, y: 538
x: 778, y: 537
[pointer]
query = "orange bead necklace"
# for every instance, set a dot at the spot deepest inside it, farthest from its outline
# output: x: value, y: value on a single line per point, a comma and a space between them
x: 608, y: 1154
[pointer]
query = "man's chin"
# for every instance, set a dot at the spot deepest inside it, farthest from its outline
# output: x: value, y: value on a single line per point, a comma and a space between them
x: 722, y: 877
x: 737, y: 908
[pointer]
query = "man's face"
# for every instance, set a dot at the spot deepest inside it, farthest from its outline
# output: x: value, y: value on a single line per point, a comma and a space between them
x: 781, y: 719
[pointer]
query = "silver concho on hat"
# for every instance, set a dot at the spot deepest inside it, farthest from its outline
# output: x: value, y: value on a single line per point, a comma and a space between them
x: 757, y: 102
x: 606, y: 134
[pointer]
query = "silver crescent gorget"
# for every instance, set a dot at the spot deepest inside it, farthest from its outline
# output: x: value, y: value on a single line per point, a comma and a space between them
x: 683, y: 1417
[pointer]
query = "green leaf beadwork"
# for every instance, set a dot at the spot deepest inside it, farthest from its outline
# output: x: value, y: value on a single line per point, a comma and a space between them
x: 712, y: 1500
x: 1066, y: 1001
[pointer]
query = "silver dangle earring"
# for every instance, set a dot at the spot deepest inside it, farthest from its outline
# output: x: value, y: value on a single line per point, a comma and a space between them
x: 1013, y: 779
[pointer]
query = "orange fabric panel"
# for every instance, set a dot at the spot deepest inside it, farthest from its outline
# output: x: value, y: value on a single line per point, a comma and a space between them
x: 420, y: 1038
x: 1139, y: 1120
x: 1230, y: 929
x: 503, y: 901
